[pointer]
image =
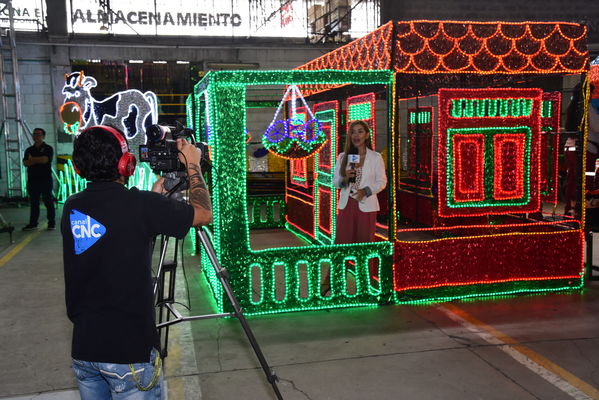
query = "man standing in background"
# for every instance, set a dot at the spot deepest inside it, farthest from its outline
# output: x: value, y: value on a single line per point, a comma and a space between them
x: 38, y: 160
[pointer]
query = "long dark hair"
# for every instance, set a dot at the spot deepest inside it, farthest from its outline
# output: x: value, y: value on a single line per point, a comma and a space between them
x: 349, y: 147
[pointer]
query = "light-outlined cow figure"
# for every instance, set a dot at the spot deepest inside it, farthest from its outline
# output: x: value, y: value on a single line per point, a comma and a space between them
x: 131, y: 110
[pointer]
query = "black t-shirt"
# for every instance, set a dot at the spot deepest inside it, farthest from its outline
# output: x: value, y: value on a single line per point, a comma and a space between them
x: 107, y: 232
x: 39, y: 172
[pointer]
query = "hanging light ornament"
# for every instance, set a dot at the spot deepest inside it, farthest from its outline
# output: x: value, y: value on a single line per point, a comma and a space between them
x: 294, y: 137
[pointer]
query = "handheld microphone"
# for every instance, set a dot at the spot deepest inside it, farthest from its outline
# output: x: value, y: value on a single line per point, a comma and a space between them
x: 353, y: 158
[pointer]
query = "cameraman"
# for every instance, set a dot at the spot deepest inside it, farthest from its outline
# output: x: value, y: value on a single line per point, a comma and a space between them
x: 107, y: 233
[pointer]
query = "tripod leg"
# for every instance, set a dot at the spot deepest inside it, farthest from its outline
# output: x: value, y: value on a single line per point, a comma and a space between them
x: 159, y: 292
x: 223, y: 277
x: 171, y: 268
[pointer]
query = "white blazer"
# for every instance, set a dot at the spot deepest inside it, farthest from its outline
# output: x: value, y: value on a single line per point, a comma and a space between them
x: 373, y: 177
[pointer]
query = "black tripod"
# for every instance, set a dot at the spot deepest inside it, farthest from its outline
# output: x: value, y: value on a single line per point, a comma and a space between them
x: 168, y: 309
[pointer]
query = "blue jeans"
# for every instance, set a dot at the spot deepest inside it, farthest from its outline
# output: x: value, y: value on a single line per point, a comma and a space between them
x: 100, y: 381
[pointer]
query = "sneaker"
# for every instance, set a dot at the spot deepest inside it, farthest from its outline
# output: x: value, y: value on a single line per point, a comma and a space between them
x: 51, y: 227
x: 30, y: 227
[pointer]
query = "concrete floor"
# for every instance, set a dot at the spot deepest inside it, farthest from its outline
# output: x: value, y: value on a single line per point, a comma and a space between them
x: 517, y: 347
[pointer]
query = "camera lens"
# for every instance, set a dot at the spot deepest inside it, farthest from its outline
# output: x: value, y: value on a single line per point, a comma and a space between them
x: 156, y: 133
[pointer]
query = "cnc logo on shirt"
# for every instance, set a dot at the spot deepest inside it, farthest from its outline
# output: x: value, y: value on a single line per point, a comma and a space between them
x: 86, y: 231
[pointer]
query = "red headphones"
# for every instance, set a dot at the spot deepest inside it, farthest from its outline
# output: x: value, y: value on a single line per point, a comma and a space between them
x: 127, y: 162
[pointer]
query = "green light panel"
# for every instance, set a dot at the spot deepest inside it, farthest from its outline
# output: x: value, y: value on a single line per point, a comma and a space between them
x: 421, y: 117
x: 360, y: 111
x: 224, y: 116
x: 70, y: 183
x: 489, y: 162
x: 547, y: 109
x: 490, y: 108
x: 270, y: 203
x: 326, y: 116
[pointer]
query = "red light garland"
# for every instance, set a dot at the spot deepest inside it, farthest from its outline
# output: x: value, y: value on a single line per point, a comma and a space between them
x: 475, y: 138
x: 489, y: 47
x: 325, y: 156
x: 487, y: 259
x: 508, y: 182
x: 550, y: 126
x: 469, y: 166
x: 420, y: 147
x: 324, y: 209
x: 372, y: 51
x: 449, y: 47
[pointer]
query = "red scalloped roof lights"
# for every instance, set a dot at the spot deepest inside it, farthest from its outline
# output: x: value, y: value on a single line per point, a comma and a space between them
x: 427, y: 47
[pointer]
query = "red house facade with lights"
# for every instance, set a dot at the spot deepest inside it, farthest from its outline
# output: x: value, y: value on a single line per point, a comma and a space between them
x: 474, y: 154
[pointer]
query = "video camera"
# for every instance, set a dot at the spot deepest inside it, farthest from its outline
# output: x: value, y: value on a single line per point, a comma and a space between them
x: 161, y: 148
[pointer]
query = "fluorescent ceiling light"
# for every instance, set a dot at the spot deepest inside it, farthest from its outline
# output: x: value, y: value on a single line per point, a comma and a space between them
x: 182, y: 62
x: 136, y: 61
x: 231, y: 65
x: 159, y: 62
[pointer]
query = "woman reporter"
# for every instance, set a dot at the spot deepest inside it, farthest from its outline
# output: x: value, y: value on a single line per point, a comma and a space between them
x: 360, y: 175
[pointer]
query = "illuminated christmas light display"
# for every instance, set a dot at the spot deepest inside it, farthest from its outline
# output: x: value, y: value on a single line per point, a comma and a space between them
x: 131, y: 111
x: 524, y: 266
x: 69, y: 182
x: 224, y: 92
x: 495, y: 153
x: 489, y: 142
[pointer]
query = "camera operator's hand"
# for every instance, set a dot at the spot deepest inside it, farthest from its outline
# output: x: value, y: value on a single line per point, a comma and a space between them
x: 199, y: 197
x: 188, y: 153
x: 158, y: 186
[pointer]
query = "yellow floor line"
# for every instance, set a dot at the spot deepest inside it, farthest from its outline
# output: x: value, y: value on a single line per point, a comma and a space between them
x: 531, y: 355
x: 6, y: 258
x: 176, y: 389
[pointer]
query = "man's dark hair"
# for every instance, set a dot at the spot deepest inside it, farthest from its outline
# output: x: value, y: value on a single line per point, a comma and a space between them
x: 96, y: 155
x: 41, y: 130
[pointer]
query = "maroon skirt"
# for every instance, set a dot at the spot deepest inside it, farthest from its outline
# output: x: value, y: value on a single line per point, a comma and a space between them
x: 355, y: 226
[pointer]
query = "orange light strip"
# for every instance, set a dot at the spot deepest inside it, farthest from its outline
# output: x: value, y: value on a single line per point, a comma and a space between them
x: 487, y: 236
x: 446, y: 228
x: 462, y: 191
x: 490, y: 281
x: 298, y: 199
